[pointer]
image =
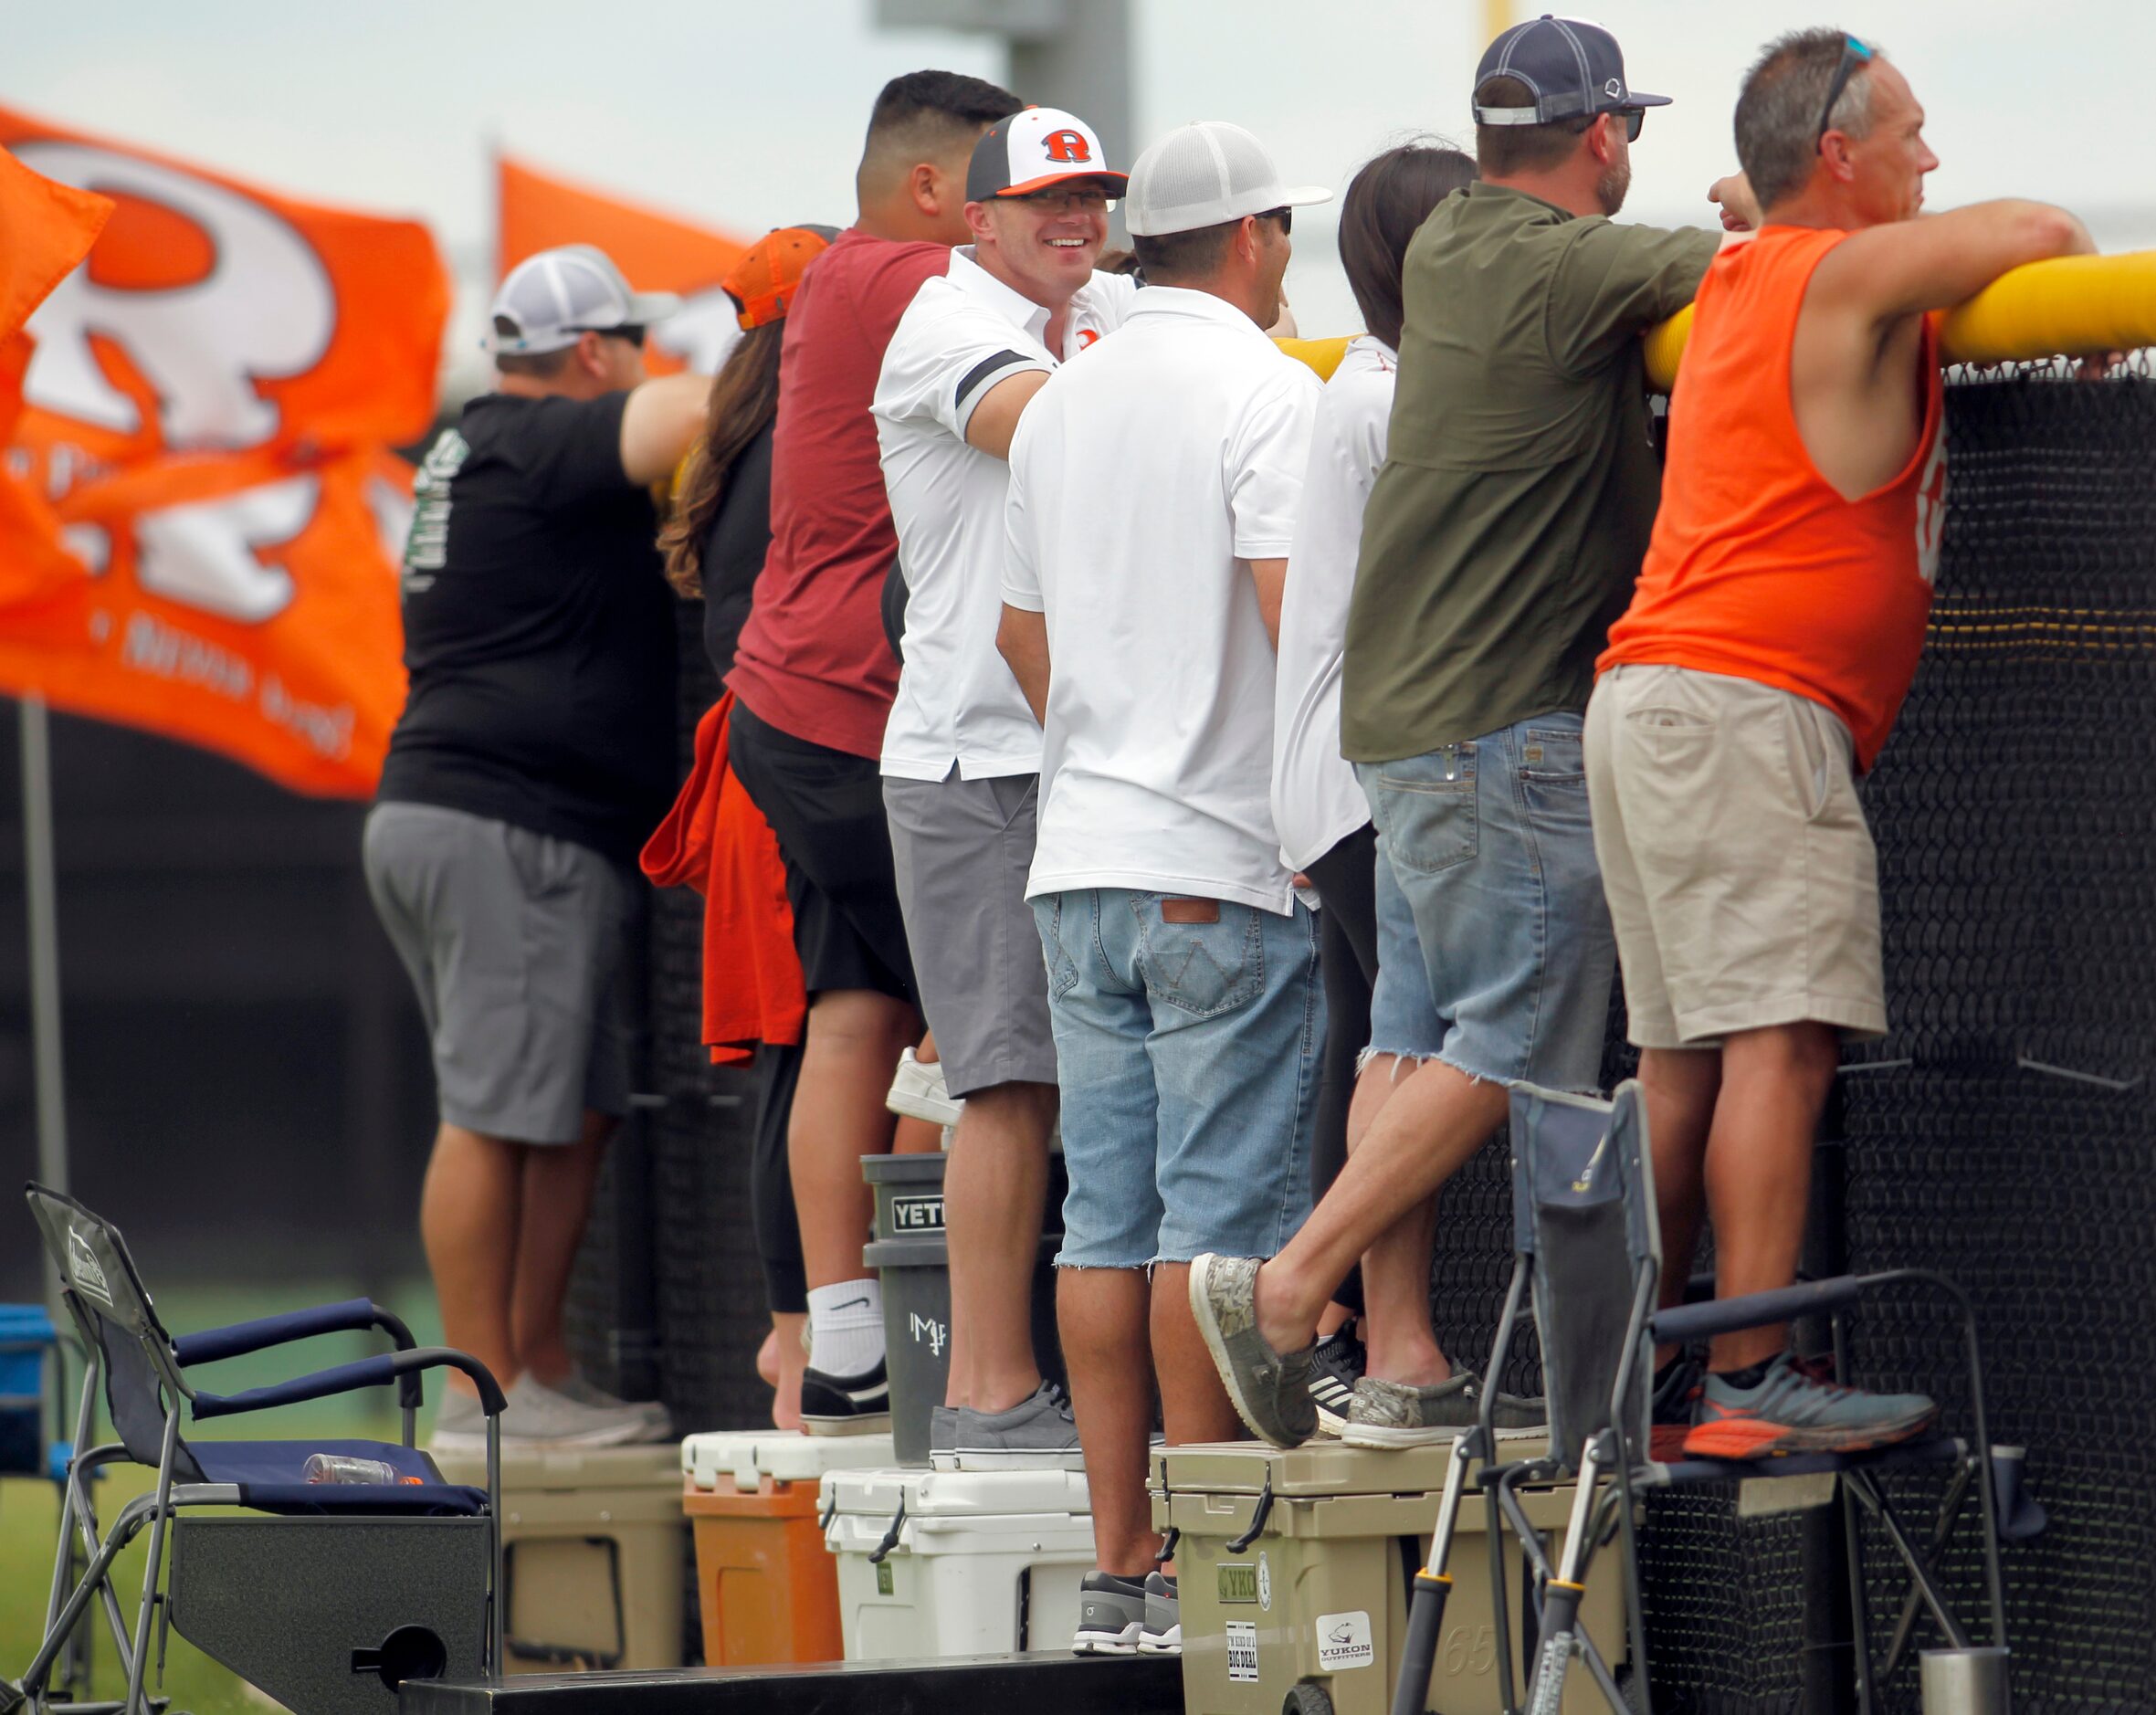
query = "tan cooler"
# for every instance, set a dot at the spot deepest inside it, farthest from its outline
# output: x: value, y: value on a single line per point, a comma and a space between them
x: 1319, y: 1599
x: 595, y: 1555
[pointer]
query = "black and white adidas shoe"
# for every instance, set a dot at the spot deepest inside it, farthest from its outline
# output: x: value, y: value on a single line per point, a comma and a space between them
x: 846, y: 1404
x: 1335, y: 1367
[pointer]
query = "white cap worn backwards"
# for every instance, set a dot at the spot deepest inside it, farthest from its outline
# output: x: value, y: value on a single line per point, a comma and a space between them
x: 1205, y: 174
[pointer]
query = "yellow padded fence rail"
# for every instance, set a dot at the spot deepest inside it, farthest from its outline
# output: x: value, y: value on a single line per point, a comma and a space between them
x: 2072, y: 306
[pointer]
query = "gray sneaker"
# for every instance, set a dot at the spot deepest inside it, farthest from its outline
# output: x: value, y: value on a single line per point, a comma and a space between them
x: 1036, y: 1432
x: 1394, y: 1414
x: 1162, y: 1634
x: 459, y: 1426
x: 1798, y: 1407
x: 942, y: 1437
x: 1270, y: 1390
x: 658, y: 1419
x: 538, y: 1415
x: 1112, y: 1615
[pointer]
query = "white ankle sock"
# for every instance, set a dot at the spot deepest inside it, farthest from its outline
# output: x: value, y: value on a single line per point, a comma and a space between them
x: 846, y: 1327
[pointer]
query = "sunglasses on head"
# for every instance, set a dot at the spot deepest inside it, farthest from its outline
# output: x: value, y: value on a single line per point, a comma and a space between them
x: 1855, y: 55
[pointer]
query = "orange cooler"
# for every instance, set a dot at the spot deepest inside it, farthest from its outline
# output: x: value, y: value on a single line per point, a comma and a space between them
x: 765, y: 1582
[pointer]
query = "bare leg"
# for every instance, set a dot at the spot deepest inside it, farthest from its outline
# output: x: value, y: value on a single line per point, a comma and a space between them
x: 557, y: 1202
x: 1434, y: 1121
x: 1101, y: 1314
x: 1401, y: 1344
x: 792, y: 1361
x: 1759, y: 1168
x: 853, y: 1041
x: 1680, y: 1085
x: 996, y: 1185
x: 1193, y: 1405
x: 468, y: 1220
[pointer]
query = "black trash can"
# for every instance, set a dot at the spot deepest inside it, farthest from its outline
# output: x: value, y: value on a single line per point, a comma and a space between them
x: 909, y: 1257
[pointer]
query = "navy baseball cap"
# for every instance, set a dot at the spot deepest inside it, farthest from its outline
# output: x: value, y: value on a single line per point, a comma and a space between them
x: 1574, y: 68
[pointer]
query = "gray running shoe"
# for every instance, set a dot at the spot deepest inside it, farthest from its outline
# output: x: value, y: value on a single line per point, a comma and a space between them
x: 1797, y: 1408
x: 1112, y: 1615
x: 942, y: 1437
x: 1270, y: 1390
x: 1162, y: 1634
x: 1394, y: 1414
x: 579, y: 1388
x: 1038, y: 1432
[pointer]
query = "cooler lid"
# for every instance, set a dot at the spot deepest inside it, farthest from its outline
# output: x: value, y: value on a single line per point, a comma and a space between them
x: 738, y: 1459
x: 1322, y: 1467
x: 646, y: 1465
x: 956, y: 1494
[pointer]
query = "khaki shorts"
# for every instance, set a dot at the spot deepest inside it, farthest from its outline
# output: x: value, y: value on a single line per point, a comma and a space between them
x: 1742, y: 881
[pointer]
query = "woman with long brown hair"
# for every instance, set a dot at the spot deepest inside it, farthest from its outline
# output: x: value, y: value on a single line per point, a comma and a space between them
x: 714, y: 543
x: 714, y: 540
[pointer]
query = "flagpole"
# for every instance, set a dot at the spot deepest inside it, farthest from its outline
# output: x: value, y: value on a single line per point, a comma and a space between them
x: 45, y: 947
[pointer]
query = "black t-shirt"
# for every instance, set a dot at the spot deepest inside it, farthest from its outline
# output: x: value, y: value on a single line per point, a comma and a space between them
x: 735, y: 545
x: 539, y: 629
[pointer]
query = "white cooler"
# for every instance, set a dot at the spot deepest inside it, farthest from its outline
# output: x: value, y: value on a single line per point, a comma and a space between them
x: 982, y: 1562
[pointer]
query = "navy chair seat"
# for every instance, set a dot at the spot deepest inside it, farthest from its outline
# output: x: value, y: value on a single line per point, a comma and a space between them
x: 269, y: 1474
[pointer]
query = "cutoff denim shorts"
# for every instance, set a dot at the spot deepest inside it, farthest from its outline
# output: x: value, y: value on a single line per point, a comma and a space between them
x: 1490, y: 843
x: 1187, y: 1058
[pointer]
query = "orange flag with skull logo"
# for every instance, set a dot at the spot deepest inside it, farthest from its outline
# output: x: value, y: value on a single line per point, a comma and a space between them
x: 205, y: 416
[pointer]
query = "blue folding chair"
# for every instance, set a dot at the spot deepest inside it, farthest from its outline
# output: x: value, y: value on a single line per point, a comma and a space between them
x: 328, y: 1596
x: 1588, y: 1248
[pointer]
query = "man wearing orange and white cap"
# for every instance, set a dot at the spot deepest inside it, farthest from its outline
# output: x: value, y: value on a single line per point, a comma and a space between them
x: 534, y: 755
x: 962, y: 751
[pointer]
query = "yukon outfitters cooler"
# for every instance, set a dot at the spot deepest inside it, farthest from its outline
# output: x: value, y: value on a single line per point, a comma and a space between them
x: 1310, y: 1614
x: 958, y: 1562
x: 764, y: 1581
x: 914, y: 1265
x: 592, y: 1555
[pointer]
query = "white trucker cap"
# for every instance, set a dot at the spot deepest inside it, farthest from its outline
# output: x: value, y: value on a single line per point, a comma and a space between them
x: 1205, y: 174
x: 551, y: 298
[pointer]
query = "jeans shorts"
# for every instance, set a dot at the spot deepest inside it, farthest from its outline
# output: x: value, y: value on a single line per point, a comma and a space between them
x: 1187, y: 1057
x: 1490, y: 843
x: 1404, y: 1019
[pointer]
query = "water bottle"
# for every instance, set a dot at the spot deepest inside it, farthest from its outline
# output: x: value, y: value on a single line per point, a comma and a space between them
x: 340, y: 1468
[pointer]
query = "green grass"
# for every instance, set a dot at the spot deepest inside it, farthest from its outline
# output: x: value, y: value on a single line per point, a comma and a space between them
x: 29, y: 1509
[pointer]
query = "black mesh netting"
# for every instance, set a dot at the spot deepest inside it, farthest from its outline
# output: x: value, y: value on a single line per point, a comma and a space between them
x: 2016, y: 813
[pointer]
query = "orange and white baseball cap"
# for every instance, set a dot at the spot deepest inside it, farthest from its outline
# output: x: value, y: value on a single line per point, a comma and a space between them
x: 1035, y: 148
x: 763, y: 281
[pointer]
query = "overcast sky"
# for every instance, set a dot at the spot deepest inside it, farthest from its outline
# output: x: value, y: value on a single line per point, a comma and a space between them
x: 748, y: 114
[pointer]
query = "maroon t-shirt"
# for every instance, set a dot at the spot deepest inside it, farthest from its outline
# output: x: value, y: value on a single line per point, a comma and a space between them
x: 813, y: 660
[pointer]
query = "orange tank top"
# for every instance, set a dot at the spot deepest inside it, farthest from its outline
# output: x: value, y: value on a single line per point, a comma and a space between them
x: 1758, y: 568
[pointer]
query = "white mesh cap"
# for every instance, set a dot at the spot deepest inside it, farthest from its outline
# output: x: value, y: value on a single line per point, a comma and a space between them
x: 1205, y: 174
x: 551, y: 298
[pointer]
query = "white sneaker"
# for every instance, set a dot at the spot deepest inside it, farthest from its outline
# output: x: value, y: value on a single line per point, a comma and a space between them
x: 918, y: 1092
x: 537, y: 1416
x: 658, y: 1419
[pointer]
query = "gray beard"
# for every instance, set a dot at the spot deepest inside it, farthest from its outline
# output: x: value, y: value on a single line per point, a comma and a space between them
x: 1610, y: 189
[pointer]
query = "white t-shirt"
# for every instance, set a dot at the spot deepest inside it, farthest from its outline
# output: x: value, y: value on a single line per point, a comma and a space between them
x: 1140, y: 476
x: 963, y: 333
x: 1315, y: 800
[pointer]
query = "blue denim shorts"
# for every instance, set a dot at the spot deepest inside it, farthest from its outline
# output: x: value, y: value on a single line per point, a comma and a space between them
x: 1187, y: 1057
x: 1404, y: 1019
x: 1490, y: 844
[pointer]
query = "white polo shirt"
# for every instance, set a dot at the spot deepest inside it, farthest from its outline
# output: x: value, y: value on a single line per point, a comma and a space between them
x: 1140, y: 477
x: 1317, y: 802
x: 957, y: 703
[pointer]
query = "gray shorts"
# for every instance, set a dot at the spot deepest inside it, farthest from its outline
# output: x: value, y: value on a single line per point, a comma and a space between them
x: 520, y: 947
x: 963, y: 848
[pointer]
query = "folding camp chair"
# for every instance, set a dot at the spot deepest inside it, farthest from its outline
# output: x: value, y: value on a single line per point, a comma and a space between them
x: 326, y: 1595
x: 1588, y: 1248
